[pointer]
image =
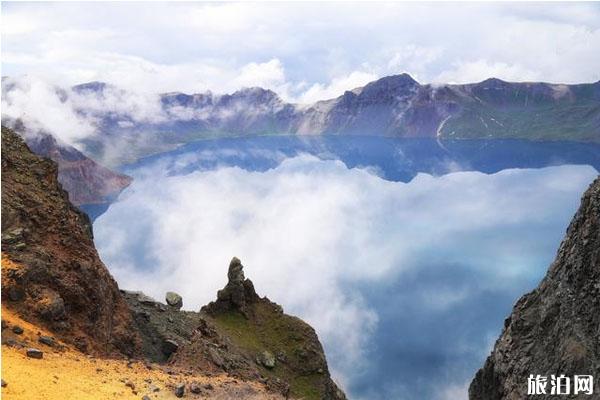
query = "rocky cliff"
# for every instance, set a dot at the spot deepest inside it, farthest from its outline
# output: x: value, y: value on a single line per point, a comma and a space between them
x: 241, y: 346
x: 555, y: 329
x: 51, y: 272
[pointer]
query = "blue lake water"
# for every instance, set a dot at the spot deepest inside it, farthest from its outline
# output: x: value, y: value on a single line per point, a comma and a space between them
x: 406, y: 255
x: 395, y: 159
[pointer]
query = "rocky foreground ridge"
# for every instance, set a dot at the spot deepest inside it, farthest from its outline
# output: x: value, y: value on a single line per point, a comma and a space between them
x: 53, y: 279
x: 60, y: 282
x: 555, y: 329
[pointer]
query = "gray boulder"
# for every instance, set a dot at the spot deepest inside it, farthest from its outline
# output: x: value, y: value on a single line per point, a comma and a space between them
x: 266, y: 359
x: 174, y: 300
x: 169, y: 347
x: 180, y: 390
x: 35, y: 353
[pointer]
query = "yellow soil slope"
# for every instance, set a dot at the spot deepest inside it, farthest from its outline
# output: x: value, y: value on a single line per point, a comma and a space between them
x: 68, y: 374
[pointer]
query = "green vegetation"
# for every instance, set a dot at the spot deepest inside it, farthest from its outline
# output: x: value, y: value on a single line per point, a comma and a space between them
x: 306, y: 387
x: 539, y: 121
x: 282, y: 335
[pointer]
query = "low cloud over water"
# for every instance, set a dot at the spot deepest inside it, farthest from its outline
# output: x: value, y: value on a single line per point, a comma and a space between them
x: 407, y: 284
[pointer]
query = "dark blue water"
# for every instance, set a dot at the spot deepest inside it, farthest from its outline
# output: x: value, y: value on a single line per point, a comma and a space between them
x: 395, y: 159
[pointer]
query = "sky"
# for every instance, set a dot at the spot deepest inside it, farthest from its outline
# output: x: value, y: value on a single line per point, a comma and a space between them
x: 303, y: 51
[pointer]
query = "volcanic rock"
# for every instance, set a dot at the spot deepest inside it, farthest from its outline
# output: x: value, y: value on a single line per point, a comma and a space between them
x: 180, y: 390
x: 174, y: 300
x: 237, y: 295
x: 47, y: 340
x: 554, y: 329
x: 241, y: 325
x: 35, y: 353
x: 169, y: 347
x: 62, y: 283
x: 267, y: 359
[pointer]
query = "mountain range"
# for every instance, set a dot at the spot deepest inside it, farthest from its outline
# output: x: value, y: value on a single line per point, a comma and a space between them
x: 128, y: 126
x: 396, y: 106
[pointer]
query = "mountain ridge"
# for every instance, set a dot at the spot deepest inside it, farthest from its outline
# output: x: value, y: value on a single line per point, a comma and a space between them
x: 394, y: 106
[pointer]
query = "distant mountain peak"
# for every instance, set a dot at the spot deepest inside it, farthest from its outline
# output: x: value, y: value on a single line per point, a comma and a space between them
x: 256, y: 92
x: 394, y: 81
x: 388, y: 86
x: 94, y: 86
x: 494, y: 83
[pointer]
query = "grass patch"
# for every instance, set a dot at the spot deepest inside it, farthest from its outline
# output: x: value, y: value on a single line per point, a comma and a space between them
x: 271, y: 330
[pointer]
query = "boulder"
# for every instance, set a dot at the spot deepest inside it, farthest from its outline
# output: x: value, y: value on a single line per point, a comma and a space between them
x: 169, y: 347
x: 145, y: 299
x: 174, y: 300
x: 266, y: 359
x: 35, y: 353
x: 180, y: 390
x: 17, y: 329
x: 47, y: 340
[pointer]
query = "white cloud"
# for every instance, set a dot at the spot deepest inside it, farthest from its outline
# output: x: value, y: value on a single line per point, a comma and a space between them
x: 305, y: 50
x: 477, y: 71
x: 268, y: 75
x: 39, y: 106
x: 336, y: 87
x: 312, y: 232
x: 72, y: 116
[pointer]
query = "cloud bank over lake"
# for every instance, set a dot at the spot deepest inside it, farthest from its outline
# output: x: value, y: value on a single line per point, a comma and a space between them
x: 400, y: 280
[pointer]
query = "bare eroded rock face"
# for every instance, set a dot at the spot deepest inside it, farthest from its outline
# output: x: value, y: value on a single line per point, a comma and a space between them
x: 51, y: 272
x: 555, y: 329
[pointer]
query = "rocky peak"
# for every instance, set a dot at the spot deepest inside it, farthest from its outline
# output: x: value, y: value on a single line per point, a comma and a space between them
x: 390, y: 86
x: 235, y: 274
x: 237, y: 295
x: 554, y: 329
x: 494, y: 83
x: 264, y: 340
x: 93, y: 87
x: 256, y: 93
